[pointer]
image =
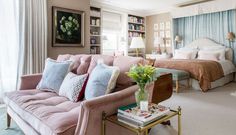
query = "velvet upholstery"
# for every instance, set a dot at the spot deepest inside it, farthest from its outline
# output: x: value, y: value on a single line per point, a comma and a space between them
x: 48, y: 113
x: 124, y: 63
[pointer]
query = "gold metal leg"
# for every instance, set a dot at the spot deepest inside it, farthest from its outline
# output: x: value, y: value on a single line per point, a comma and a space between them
x: 179, y: 120
x: 177, y: 86
x: 8, y: 120
x: 146, y: 132
x: 103, y: 123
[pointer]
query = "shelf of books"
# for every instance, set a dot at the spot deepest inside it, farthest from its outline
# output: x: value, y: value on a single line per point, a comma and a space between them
x: 136, y: 28
x: 95, y: 30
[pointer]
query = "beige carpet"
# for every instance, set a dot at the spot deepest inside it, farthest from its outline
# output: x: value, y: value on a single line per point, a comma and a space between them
x: 210, y: 113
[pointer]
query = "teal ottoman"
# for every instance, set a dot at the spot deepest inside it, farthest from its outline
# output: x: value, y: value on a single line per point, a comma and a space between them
x: 177, y: 75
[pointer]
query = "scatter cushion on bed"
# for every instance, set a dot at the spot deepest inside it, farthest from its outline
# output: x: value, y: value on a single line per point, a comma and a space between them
x: 216, y: 49
x: 206, y: 55
x: 73, y: 86
x: 182, y: 55
x: 102, y: 81
x: 53, y: 75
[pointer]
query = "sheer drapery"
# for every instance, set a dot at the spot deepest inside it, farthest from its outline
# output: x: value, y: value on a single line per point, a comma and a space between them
x: 23, y: 40
x: 33, y: 35
x: 213, y: 25
x: 8, y: 45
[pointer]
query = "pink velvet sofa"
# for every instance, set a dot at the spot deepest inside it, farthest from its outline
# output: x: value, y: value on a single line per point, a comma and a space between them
x: 37, y: 112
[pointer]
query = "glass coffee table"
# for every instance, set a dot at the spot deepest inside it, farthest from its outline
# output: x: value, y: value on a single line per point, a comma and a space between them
x: 139, y: 130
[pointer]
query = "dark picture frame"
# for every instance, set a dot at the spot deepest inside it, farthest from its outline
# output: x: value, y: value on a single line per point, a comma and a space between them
x: 67, y: 27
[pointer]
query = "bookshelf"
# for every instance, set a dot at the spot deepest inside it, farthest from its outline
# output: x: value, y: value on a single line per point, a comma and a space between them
x: 136, y: 28
x: 95, y: 30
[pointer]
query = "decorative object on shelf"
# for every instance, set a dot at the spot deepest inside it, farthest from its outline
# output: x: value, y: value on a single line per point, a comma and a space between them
x: 142, y: 75
x: 157, y: 43
x: 230, y: 36
x: 137, y: 43
x: 68, y: 27
x: 93, y: 40
x: 178, y: 40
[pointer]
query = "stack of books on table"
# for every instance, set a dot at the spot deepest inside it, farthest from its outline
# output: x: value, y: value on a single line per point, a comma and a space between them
x: 133, y: 116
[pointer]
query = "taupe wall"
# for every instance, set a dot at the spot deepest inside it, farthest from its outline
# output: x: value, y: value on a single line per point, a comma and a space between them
x: 150, y: 21
x: 83, y: 5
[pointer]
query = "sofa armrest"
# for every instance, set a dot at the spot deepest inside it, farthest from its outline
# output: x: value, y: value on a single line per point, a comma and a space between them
x: 30, y: 81
x: 90, y: 118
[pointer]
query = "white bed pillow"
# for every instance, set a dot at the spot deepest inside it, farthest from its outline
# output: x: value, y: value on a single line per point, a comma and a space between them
x: 216, y: 49
x: 206, y: 55
x: 185, y: 54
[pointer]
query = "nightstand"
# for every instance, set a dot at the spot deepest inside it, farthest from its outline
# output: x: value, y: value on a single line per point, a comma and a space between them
x: 158, y: 56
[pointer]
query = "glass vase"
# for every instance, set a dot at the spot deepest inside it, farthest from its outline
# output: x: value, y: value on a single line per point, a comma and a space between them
x: 141, y: 94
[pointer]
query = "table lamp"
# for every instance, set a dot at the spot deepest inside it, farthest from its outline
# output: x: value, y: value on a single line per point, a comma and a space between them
x: 137, y: 43
x: 178, y: 40
x: 157, y: 43
x: 230, y: 36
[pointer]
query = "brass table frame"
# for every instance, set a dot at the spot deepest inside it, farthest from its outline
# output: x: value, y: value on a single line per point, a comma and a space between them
x: 140, y: 130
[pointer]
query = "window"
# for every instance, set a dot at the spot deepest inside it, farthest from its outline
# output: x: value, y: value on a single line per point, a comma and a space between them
x: 112, y: 30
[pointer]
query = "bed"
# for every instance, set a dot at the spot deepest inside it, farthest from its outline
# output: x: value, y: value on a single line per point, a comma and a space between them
x: 205, y: 74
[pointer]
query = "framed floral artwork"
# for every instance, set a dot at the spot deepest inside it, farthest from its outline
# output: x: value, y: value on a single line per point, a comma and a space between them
x: 68, y: 27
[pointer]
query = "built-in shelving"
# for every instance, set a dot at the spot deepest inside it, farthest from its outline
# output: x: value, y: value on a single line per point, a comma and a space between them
x: 136, y: 28
x: 95, y: 30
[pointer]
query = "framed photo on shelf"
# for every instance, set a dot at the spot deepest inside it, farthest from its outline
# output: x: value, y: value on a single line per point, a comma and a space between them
x: 156, y: 27
x: 68, y: 27
x: 162, y: 26
x: 168, y: 25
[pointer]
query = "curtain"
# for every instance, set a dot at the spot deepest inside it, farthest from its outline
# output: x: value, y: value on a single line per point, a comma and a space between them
x: 33, y: 35
x: 23, y: 40
x: 8, y: 45
x: 213, y: 25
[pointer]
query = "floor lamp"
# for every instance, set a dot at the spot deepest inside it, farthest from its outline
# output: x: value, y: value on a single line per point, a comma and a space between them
x: 137, y: 43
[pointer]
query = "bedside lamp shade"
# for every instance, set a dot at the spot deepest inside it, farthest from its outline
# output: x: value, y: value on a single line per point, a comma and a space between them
x: 230, y: 36
x: 137, y: 42
x: 158, y: 41
x: 178, y: 38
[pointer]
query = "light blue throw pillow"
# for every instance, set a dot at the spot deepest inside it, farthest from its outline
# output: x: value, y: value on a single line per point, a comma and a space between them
x: 102, y: 80
x: 53, y: 75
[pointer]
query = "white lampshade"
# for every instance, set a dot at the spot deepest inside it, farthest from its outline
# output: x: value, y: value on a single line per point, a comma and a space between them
x: 158, y: 41
x: 137, y: 42
x: 178, y: 38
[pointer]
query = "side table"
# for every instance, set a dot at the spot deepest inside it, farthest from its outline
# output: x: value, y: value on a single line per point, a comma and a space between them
x: 139, y: 130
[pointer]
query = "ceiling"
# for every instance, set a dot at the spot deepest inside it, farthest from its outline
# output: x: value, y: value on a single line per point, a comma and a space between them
x: 146, y: 7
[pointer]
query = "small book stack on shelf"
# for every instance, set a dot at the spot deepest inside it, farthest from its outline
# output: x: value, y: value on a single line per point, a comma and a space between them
x: 133, y: 116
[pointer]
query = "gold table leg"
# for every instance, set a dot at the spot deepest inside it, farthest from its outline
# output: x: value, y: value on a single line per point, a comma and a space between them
x: 179, y: 120
x: 103, y: 123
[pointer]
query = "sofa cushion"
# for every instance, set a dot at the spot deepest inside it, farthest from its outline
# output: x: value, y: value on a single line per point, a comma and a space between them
x: 72, y: 86
x: 63, y: 57
x: 84, y: 64
x: 108, y: 60
x: 53, y: 75
x: 102, y: 80
x: 46, y: 112
x: 124, y: 63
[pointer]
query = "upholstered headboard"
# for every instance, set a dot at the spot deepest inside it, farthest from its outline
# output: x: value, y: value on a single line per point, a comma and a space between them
x: 206, y: 42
